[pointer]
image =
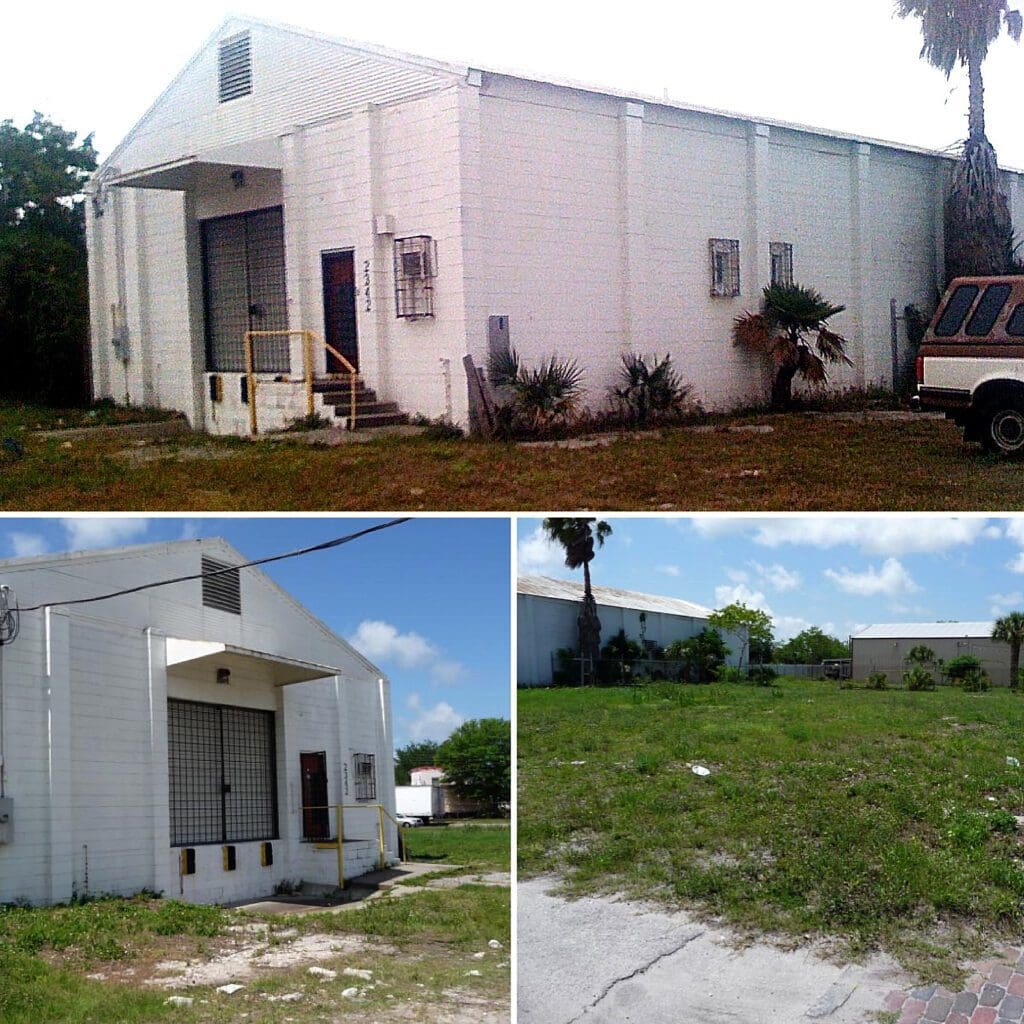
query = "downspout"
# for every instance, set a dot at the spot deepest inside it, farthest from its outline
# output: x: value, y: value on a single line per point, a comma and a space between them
x: 118, y: 311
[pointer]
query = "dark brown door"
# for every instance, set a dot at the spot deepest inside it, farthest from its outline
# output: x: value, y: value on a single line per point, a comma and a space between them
x: 316, y: 818
x: 340, y: 308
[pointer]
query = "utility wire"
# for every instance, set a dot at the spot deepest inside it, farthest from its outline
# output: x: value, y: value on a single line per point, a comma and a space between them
x: 337, y: 542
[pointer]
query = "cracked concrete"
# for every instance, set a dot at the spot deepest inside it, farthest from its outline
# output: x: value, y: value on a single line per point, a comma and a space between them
x: 606, y: 961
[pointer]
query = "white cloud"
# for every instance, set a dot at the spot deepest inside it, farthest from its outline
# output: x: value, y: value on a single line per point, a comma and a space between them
x: 1003, y: 603
x: 85, y: 532
x: 435, y: 723
x: 539, y: 554
x: 668, y: 570
x: 778, y: 577
x: 890, y: 580
x: 785, y: 627
x: 740, y: 593
x: 1017, y: 565
x: 26, y: 545
x: 738, y: 575
x: 876, y: 535
x: 382, y: 642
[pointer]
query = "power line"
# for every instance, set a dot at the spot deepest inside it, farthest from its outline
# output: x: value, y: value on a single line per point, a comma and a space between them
x: 324, y: 546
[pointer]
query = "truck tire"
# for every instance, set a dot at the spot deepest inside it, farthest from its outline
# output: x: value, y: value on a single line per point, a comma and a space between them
x: 1002, y: 428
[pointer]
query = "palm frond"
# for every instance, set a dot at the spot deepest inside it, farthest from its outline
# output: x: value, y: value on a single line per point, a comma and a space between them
x: 753, y: 330
x: 832, y: 347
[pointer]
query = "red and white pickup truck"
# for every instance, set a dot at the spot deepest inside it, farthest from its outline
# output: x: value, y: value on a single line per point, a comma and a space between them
x: 971, y: 361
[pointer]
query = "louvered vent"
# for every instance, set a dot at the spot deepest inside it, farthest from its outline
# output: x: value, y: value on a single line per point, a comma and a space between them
x: 224, y: 590
x: 235, y: 67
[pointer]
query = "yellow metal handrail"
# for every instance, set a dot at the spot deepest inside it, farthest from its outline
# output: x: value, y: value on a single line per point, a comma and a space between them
x: 308, y: 338
x: 382, y: 812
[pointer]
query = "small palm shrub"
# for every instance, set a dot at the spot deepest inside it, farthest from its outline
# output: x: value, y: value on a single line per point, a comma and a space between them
x: 649, y: 392
x: 963, y: 666
x: 918, y: 678
x: 539, y: 401
x: 729, y: 674
x: 762, y: 675
x: 877, y: 681
x: 975, y: 681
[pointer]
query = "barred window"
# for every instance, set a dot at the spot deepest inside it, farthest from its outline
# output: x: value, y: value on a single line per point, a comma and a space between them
x: 222, y: 773
x: 415, y: 270
x: 366, y: 776
x: 782, y: 263
x: 725, y: 266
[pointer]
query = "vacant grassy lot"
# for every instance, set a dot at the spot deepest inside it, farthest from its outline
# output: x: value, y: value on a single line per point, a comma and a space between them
x: 483, y: 846
x: 806, y: 462
x: 94, y: 963
x: 874, y: 819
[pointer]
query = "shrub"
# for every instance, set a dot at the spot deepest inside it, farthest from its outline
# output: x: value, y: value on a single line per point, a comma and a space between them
x: 566, y: 668
x: 963, y: 668
x: 539, y: 401
x: 918, y: 678
x: 701, y: 656
x: 729, y: 674
x: 762, y: 675
x: 975, y: 681
x: 648, y: 392
x: 877, y: 681
x: 921, y: 655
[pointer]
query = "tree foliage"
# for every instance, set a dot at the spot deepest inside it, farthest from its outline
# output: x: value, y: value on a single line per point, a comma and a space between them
x: 44, y: 318
x: 748, y: 625
x: 1010, y: 630
x: 702, y: 655
x: 792, y: 332
x: 414, y: 755
x: 811, y: 646
x: 477, y: 760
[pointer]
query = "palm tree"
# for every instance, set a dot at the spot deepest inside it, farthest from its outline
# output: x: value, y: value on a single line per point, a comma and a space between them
x: 979, y: 230
x: 790, y: 315
x: 578, y: 538
x: 1010, y: 630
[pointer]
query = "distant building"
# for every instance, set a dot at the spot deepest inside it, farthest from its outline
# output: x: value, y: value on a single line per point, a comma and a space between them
x: 548, y: 610
x: 884, y: 647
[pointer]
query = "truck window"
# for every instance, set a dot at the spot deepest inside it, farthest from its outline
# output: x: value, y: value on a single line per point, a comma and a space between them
x: 956, y: 309
x: 988, y: 310
x: 1015, y: 326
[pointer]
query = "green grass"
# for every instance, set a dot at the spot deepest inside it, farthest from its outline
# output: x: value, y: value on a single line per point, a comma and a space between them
x: 881, y: 819
x: 806, y: 462
x: 18, y: 417
x: 487, y: 847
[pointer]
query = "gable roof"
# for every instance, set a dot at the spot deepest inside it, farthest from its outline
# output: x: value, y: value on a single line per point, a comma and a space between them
x: 213, y: 545
x: 925, y: 631
x: 610, y: 597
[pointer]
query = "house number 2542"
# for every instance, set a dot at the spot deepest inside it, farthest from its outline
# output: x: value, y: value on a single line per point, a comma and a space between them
x: 366, y: 286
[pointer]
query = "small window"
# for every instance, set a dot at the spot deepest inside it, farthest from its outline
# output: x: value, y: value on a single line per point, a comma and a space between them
x: 415, y: 270
x: 725, y: 266
x: 782, y: 263
x: 956, y: 310
x: 366, y: 777
x: 222, y: 587
x: 987, y: 313
x: 235, y: 67
x: 1015, y: 326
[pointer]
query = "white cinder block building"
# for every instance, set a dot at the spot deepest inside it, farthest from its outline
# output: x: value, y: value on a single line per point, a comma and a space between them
x: 410, y: 212
x: 184, y: 738
x: 883, y: 647
x: 546, y: 621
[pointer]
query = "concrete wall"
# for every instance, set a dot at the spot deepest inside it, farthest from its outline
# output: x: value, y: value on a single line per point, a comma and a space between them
x: 544, y: 625
x: 85, y: 705
x: 887, y: 655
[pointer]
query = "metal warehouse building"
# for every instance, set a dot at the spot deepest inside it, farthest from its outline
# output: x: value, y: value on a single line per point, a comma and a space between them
x: 883, y: 648
x: 548, y: 609
x: 409, y: 212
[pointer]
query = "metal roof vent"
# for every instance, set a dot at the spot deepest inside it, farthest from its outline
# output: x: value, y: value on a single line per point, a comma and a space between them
x: 235, y: 67
x: 222, y: 591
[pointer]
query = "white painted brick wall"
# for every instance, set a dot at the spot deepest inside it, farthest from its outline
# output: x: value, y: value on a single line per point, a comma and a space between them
x: 106, y: 768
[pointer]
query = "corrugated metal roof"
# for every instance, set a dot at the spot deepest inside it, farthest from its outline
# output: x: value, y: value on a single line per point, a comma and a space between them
x: 924, y: 630
x: 570, y: 590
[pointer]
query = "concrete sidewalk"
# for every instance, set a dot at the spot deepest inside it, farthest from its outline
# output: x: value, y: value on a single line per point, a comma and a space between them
x: 603, y: 961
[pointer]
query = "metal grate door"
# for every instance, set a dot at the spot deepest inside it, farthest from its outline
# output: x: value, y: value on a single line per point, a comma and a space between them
x: 244, y: 275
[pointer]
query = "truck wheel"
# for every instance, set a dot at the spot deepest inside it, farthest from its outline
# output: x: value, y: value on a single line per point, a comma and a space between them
x: 1002, y: 428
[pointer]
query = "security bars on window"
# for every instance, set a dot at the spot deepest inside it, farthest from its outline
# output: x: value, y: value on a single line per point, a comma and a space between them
x: 725, y: 266
x: 366, y: 776
x: 415, y: 270
x: 222, y: 774
x: 782, y: 263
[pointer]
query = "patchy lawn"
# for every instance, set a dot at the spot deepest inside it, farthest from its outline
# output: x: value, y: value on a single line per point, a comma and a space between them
x: 423, y: 956
x: 469, y: 844
x: 806, y: 461
x: 864, y: 819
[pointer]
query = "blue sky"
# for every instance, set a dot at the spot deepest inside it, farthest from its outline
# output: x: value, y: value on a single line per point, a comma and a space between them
x: 837, y: 572
x: 427, y: 601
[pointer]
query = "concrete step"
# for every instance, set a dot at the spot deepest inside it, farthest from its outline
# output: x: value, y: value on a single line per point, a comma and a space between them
x: 380, y: 419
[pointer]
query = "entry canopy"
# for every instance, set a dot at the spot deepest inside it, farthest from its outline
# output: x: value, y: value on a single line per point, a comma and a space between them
x: 208, y: 653
x: 187, y: 173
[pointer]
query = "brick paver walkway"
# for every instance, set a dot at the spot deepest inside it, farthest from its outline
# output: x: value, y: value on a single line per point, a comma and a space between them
x: 993, y: 994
